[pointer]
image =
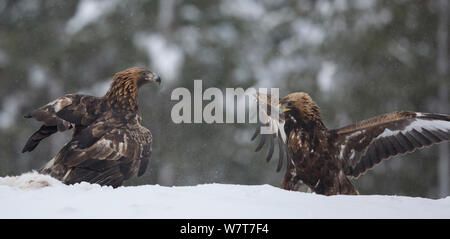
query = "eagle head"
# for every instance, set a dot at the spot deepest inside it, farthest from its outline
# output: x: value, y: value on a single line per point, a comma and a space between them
x: 124, y: 88
x: 137, y: 76
x: 300, y: 106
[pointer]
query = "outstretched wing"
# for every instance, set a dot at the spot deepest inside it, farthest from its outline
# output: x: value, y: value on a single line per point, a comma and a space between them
x: 61, y: 114
x: 274, y: 130
x: 364, y: 144
x: 104, y: 153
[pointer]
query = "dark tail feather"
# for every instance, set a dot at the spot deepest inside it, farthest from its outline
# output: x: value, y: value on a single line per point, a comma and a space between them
x: 39, y: 135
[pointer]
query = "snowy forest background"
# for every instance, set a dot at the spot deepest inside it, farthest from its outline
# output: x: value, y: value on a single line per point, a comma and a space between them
x: 357, y: 59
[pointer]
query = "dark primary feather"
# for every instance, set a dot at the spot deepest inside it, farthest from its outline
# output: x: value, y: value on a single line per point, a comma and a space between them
x: 367, y: 143
x: 39, y: 135
x: 109, y: 144
x: 261, y: 143
x: 256, y: 133
x: 265, y: 106
x: 271, y: 149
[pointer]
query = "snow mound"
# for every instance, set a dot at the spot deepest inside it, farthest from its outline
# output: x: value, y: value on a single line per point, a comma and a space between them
x: 32, y: 195
x: 30, y: 180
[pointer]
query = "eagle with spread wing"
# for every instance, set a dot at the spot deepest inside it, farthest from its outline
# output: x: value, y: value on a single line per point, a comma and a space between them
x: 109, y: 143
x: 324, y: 159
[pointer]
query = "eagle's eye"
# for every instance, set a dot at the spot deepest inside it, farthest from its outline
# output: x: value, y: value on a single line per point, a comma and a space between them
x: 289, y: 104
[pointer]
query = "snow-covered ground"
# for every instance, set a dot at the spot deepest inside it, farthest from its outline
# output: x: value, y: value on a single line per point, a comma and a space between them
x: 38, y: 196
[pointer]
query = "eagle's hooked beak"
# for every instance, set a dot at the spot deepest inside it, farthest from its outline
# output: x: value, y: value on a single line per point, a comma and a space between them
x: 152, y: 77
x: 283, y: 107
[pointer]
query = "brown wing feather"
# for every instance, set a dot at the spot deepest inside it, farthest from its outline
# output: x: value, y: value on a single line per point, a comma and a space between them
x: 84, y: 110
x: 66, y: 110
x: 104, y: 153
x: 62, y: 114
x: 364, y: 144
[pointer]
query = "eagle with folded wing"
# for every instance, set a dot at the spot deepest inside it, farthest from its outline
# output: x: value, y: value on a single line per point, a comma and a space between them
x: 109, y: 143
x: 324, y: 159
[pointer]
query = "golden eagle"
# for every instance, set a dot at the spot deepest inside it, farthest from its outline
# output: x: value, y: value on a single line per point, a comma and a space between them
x: 109, y: 144
x: 324, y: 159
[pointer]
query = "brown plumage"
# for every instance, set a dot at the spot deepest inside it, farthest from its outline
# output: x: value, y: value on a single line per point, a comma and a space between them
x: 109, y: 144
x: 324, y: 160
